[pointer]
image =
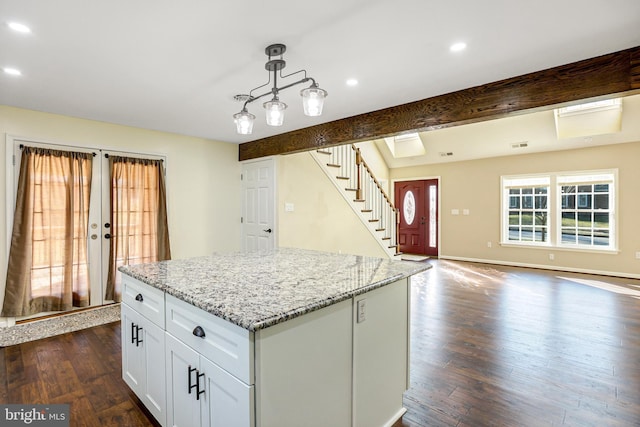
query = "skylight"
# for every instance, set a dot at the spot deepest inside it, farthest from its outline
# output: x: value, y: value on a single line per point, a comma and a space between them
x: 588, y: 119
x: 590, y: 107
x: 406, y: 145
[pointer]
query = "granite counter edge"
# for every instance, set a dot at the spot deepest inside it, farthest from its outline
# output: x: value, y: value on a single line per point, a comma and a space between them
x: 254, y: 325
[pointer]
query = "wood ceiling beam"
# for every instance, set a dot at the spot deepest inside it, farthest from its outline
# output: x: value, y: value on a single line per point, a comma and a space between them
x: 604, y: 76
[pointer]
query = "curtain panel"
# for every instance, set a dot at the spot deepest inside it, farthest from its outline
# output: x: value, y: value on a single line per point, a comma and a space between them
x: 139, y: 230
x: 47, y: 268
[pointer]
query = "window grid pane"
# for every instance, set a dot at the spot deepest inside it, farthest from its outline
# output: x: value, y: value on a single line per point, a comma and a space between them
x: 586, y: 217
x: 528, y: 214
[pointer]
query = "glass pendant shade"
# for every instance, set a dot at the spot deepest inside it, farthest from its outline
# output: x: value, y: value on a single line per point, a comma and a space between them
x: 275, y: 112
x: 244, y: 122
x: 313, y: 100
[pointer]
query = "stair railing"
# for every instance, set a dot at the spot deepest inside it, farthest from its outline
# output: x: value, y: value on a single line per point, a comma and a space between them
x: 358, y: 178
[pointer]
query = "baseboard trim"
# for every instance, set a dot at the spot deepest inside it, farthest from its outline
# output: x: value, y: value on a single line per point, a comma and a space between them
x: 396, y: 417
x: 543, y: 267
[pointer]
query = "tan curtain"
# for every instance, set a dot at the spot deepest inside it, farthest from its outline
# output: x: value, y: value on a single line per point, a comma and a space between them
x: 48, y: 268
x: 139, y: 231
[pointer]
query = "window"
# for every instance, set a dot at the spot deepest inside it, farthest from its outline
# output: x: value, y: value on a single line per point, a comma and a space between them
x: 586, y: 214
x: 564, y: 210
x: 528, y: 209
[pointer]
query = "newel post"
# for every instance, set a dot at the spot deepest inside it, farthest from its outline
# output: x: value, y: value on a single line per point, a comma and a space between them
x: 359, y: 195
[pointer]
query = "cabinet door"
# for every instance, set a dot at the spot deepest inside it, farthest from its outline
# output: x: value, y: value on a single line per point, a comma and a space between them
x: 182, y: 367
x: 133, y: 370
x: 228, y: 402
x: 143, y: 360
x: 154, y: 390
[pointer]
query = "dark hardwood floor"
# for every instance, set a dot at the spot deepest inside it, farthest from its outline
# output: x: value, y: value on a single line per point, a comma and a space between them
x: 500, y: 346
x: 491, y: 346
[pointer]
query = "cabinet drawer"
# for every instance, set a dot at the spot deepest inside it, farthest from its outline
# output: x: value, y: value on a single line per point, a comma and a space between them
x: 226, y: 344
x: 144, y: 299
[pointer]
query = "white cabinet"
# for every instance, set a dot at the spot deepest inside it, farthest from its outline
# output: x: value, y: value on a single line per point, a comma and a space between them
x: 227, y: 345
x: 209, y: 369
x: 200, y: 393
x: 143, y: 360
x: 344, y: 365
x: 183, y: 389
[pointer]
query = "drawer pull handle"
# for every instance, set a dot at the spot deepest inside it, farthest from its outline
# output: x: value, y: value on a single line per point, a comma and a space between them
x: 134, y: 331
x: 189, y: 375
x: 199, y: 332
x: 139, y: 297
x: 199, y: 392
x: 138, y: 340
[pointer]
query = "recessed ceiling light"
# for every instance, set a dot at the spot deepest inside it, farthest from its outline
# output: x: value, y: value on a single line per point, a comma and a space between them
x: 21, y: 28
x: 12, y: 71
x: 352, y: 82
x: 458, y: 47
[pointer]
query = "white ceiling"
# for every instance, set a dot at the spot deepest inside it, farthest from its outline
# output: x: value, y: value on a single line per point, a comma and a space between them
x: 175, y: 66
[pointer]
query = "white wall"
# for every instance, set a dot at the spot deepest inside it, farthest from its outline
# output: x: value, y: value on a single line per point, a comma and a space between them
x: 203, y: 176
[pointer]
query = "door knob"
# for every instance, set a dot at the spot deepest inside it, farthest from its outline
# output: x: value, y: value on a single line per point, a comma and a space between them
x: 139, y: 297
x: 268, y: 230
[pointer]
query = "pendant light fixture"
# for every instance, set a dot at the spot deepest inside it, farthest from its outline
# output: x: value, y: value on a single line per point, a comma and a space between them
x: 312, y: 97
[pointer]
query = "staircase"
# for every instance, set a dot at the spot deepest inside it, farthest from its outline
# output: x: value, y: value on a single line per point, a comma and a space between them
x: 352, y: 176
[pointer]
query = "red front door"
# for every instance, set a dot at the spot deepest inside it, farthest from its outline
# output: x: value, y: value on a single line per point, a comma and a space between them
x: 418, y: 205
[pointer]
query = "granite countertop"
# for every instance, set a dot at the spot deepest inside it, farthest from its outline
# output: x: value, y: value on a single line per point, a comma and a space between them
x: 261, y: 289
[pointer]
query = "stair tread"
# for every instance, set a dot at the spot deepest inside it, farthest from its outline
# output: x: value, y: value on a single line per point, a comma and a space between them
x: 374, y: 220
x: 380, y: 229
x: 359, y: 200
x: 323, y: 152
x: 333, y: 165
x: 366, y: 210
x: 343, y: 177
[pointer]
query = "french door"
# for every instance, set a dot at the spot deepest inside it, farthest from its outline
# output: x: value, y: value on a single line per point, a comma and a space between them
x: 99, y: 227
x: 418, y: 205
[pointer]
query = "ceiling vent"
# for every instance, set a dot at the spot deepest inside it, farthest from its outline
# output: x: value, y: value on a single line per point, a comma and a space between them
x: 523, y: 144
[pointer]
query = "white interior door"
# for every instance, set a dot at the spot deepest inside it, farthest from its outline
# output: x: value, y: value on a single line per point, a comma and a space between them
x: 258, y: 205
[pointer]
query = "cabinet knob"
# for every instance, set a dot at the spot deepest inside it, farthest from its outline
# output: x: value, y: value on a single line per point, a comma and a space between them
x: 199, y: 332
x: 139, y: 297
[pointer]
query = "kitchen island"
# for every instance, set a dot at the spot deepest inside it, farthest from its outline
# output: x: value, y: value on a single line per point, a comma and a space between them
x: 283, y: 338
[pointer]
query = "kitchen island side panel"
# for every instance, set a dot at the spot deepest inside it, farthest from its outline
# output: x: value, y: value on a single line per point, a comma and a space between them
x: 304, y: 370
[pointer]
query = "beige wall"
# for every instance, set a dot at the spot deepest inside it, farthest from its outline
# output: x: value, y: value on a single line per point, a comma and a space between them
x: 372, y: 157
x: 322, y: 219
x: 475, y: 185
x: 203, y: 176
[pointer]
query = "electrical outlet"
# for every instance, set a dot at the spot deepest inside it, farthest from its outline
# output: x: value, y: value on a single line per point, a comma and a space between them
x: 637, y: 255
x: 552, y: 257
x: 362, y: 311
x: 488, y: 244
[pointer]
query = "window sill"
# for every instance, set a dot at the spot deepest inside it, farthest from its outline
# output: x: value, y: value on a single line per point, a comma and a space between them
x: 606, y: 251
